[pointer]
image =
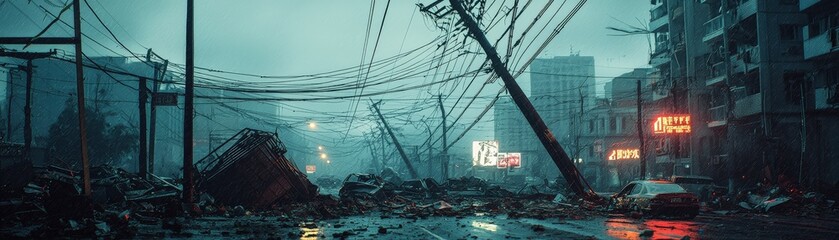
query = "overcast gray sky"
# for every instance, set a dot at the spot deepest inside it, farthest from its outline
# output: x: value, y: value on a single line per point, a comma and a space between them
x: 270, y: 37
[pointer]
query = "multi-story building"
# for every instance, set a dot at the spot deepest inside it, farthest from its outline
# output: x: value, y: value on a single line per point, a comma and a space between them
x: 611, y: 128
x: 559, y: 86
x: 514, y: 134
x: 743, y: 73
x: 821, y: 50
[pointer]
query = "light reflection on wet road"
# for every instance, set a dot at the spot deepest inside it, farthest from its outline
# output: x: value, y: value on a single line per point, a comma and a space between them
x: 376, y: 226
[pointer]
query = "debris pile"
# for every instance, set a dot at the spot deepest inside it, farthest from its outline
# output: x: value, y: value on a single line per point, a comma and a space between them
x: 253, y: 172
x: 785, y: 201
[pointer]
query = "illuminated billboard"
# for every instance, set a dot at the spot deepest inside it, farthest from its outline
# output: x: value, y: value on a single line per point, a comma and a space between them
x: 672, y: 124
x: 625, y: 154
x: 506, y: 160
x: 485, y: 153
x: 311, y: 168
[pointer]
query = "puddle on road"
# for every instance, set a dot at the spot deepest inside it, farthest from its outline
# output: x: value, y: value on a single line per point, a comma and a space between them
x: 671, y: 229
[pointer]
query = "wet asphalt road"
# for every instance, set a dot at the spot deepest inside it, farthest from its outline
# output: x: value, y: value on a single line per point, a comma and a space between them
x: 374, y: 226
x: 600, y: 226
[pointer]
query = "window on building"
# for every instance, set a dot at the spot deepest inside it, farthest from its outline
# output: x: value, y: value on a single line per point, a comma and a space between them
x: 590, y: 126
x: 832, y: 83
x: 789, y: 32
x: 624, y: 126
x: 613, y: 125
x: 792, y: 87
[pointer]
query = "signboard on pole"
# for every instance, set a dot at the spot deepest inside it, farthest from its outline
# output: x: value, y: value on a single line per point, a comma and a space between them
x: 485, y: 153
x: 672, y: 124
x: 164, y: 99
x: 311, y: 168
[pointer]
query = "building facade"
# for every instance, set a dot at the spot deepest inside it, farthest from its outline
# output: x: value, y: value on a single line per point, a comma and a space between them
x: 744, y: 71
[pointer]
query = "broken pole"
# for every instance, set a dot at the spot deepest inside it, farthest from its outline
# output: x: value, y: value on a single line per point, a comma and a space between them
x: 411, y: 169
x: 558, y: 155
x: 77, y: 36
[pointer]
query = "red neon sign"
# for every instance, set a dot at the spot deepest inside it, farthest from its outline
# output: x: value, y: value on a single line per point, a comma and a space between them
x: 672, y: 124
x: 512, y: 160
x: 625, y: 154
x: 311, y: 168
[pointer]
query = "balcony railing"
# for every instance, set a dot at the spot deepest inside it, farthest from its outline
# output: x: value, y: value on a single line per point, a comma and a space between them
x: 718, y: 116
x: 716, y: 75
x: 662, y: 46
x: 749, y: 105
x: 713, y: 28
x: 746, y: 60
x: 822, y: 44
x: 658, y: 12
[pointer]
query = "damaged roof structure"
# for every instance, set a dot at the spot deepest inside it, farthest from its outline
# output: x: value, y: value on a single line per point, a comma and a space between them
x: 252, y: 171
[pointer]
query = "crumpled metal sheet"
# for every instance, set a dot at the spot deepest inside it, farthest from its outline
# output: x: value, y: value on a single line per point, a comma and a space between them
x: 253, y: 172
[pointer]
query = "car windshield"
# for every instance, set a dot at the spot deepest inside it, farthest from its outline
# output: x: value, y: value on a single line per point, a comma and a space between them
x: 657, y: 188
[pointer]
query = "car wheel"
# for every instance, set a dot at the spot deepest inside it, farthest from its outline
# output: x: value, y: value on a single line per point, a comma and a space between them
x: 636, y: 212
x: 692, y: 215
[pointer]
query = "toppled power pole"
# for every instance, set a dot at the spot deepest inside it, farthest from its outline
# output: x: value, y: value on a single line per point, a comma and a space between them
x: 558, y: 155
x: 396, y: 142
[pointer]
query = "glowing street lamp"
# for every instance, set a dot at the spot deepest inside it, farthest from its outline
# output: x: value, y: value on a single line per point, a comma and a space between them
x: 320, y: 148
x: 313, y: 125
x: 327, y: 161
x: 323, y: 156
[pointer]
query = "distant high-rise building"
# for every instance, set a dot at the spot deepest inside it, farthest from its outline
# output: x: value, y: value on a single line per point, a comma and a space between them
x: 557, y: 87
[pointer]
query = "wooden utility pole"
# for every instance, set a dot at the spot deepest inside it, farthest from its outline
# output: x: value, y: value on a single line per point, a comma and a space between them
x: 640, y: 126
x: 27, y: 107
x: 384, y: 143
x: 77, y: 30
x: 188, y: 108
x: 76, y: 40
x: 444, y: 158
x: 430, y: 162
x: 143, y: 164
x: 558, y: 155
x: 157, y: 78
x: 404, y: 156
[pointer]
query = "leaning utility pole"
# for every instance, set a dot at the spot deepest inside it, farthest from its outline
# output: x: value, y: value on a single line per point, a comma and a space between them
x: 640, y: 127
x: 188, y: 108
x: 158, y: 77
x: 558, y: 155
x: 27, y: 107
x: 445, y: 156
x: 384, y: 143
x: 396, y: 142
